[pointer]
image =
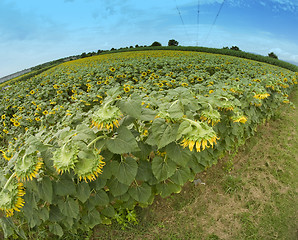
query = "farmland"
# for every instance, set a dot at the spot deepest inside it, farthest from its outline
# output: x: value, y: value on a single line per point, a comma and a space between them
x: 95, y: 137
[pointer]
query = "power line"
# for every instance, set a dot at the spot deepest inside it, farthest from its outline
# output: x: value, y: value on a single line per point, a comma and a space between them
x: 182, y: 20
x: 215, y: 20
x: 198, y: 22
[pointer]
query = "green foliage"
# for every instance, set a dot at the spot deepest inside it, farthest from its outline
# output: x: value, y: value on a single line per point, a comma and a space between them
x: 272, y: 55
x: 108, y: 135
x: 154, y: 44
x: 173, y: 42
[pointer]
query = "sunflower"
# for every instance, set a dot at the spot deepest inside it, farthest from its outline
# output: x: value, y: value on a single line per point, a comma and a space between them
x: 88, y: 167
x: 126, y: 89
x: 210, y: 116
x: 112, y: 69
x: 106, y: 116
x: 241, y: 119
x: 197, y: 134
x: 261, y: 96
x: 65, y: 158
x: 27, y: 167
x: 16, y: 124
x: 11, y: 197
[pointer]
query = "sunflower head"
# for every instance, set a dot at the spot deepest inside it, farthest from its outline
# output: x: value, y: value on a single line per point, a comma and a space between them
x: 261, y: 96
x: 28, y: 166
x: 198, y: 135
x: 89, y: 165
x: 65, y: 158
x: 210, y: 116
x: 106, y: 117
x: 11, y: 198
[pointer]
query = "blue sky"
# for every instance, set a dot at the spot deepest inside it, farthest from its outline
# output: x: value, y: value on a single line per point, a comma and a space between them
x: 36, y: 31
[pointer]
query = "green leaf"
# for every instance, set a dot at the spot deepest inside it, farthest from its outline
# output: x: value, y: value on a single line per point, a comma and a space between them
x: 124, y: 142
x: 144, y: 171
x: 43, y: 214
x: 108, y: 212
x: 145, y: 151
x: 176, y: 110
x: 107, y: 171
x: 69, y: 207
x: 162, y: 133
x: 132, y: 106
x: 56, y: 229
x: 165, y: 189
x: 55, y: 214
x: 195, y: 165
x: 102, y: 198
x: 83, y: 191
x: 178, y: 154
x: 7, y: 227
x: 65, y: 187
x: 127, y: 170
x: 141, y: 193
x: 163, y: 169
x: 83, y: 133
x: 184, y: 128
x: 46, y: 190
x: 181, y: 176
x: 148, y: 114
x: 117, y: 188
x: 93, y: 218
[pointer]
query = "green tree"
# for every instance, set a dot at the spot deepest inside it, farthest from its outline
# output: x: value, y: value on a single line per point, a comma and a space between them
x: 83, y: 55
x: 154, y: 44
x: 173, y: 42
x: 235, y: 48
x: 272, y: 55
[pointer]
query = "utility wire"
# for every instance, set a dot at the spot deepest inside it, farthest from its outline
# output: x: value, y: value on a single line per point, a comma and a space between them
x: 186, y: 33
x: 215, y: 20
x: 198, y: 22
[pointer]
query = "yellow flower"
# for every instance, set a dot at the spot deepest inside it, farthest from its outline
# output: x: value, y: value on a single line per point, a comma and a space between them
x: 261, y: 96
x: 198, y: 144
x: 126, y: 89
x: 45, y: 112
x: 11, y: 200
x: 241, y: 119
x: 16, y: 124
x: 37, y: 119
x: 112, y: 69
x: 55, y: 86
x: 3, y: 116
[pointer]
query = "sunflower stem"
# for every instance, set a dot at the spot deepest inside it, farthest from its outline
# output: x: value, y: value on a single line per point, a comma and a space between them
x: 197, y: 124
x: 95, y: 140
x: 8, y: 181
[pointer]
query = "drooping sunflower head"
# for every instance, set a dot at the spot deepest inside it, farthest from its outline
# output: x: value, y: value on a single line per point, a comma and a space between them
x: 241, y: 118
x: 65, y: 158
x: 210, y: 116
x: 11, y: 198
x: 200, y: 135
x: 89, y: 165
x: 261, y: 96
x: 106, y: 117
x: 28, y: 166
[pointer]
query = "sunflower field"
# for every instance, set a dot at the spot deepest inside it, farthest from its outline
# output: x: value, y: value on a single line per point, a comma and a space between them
x: 90, y: 138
